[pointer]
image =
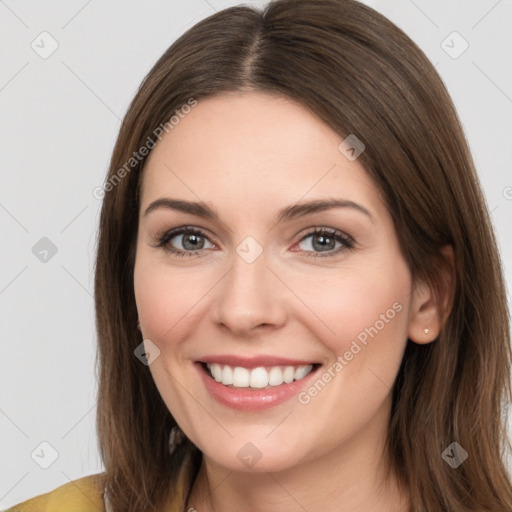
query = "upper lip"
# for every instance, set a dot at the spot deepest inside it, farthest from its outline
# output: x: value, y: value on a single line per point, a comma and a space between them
x: 254, y: 362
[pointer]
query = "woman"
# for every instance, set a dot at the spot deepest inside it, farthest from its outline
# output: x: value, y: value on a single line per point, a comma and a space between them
x: 299, y: 297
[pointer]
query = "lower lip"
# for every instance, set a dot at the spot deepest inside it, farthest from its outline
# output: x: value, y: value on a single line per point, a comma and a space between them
x: 250, y: 399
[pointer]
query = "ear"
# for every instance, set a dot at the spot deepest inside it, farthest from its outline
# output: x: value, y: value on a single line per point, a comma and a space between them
x: 431, y: 304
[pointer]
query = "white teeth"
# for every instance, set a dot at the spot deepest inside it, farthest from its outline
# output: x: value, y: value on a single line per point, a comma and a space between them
x: 302, y: 371
x: 288, y: 374
x: 240, y: 377
x: 227, y: 375
x: 216, y: 372
x: 275, y: 376
x: 259, y: 377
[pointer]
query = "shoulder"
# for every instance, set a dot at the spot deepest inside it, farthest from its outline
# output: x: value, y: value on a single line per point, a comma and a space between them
x: 82, y: 495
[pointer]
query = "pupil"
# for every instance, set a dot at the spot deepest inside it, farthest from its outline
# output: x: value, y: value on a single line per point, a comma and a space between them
x: 325, y: 241
x: 189, y: 238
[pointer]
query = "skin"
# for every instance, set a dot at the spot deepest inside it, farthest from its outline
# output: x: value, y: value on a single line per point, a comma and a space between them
x: 248, y: 156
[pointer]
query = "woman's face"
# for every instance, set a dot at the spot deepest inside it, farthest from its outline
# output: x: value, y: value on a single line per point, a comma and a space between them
x: 267, y: 290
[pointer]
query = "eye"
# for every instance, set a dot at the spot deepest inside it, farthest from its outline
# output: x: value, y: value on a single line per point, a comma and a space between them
x: 192, y: 241
x: 325, y: 240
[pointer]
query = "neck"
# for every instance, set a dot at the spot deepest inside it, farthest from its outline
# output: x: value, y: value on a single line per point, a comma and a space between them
x: 352, y: 477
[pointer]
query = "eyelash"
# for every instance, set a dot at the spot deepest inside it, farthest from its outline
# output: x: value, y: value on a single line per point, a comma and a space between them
x: 347, y: 241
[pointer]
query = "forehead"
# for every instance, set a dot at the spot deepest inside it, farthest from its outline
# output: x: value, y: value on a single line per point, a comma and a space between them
x: 250, y: 150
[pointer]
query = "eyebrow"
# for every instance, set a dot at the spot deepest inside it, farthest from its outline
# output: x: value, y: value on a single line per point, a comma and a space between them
x: 291, y: 212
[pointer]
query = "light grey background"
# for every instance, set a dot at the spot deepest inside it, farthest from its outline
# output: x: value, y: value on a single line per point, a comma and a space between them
x: 60, y: 117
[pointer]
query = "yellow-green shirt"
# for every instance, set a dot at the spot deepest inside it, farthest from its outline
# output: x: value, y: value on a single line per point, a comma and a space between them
x: 81, y: 495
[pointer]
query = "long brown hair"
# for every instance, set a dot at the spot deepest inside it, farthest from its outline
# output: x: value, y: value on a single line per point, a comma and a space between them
x: 361, y: 74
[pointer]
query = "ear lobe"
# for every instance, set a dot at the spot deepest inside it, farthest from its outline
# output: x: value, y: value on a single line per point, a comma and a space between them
x: 432, y: 303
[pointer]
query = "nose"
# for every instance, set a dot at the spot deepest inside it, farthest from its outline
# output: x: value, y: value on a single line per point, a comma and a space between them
x: 251, y: 299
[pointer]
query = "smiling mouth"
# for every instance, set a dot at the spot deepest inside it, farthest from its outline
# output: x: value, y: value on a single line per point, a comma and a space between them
x: 261, y: 377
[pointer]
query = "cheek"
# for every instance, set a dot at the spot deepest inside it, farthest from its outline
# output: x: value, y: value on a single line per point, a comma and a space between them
x: 165, y: 302
x: 161, y: 297
x: 170, y: 302
x: 355, y: 309
x: 368, y: 314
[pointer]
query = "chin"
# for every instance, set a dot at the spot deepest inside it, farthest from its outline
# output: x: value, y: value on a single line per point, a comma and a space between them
x: 250, y: 459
